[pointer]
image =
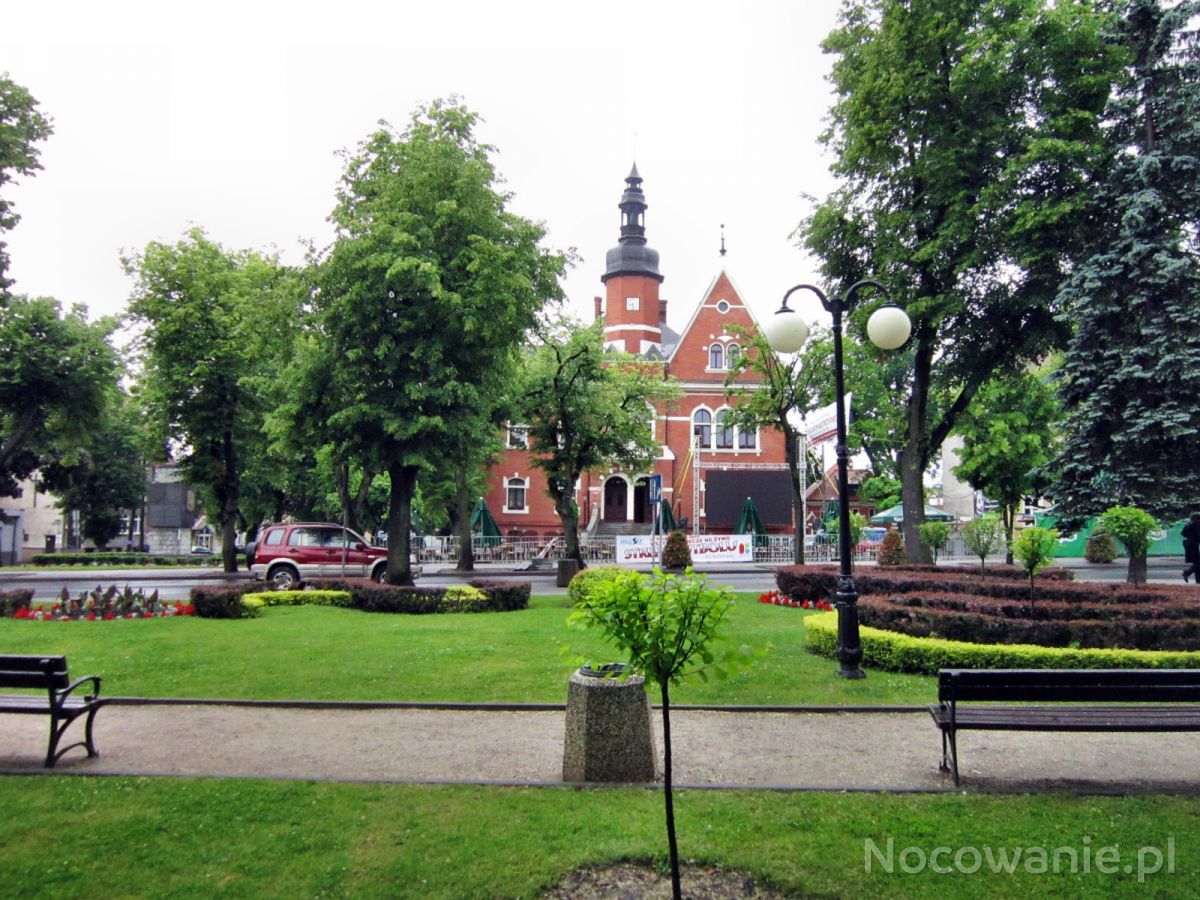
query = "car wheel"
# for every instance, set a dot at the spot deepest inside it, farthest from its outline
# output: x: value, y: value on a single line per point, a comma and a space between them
x: 283, y: 578
x: 380, y: 573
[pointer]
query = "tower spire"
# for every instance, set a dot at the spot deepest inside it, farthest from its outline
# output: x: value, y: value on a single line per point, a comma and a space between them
x: 631, y: 256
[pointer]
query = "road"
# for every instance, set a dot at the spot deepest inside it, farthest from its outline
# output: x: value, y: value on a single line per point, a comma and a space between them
x: 176, y: 584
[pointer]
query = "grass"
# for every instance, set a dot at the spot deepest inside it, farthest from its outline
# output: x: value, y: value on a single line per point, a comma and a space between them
x: 320, y: 653
x: 129, y: 837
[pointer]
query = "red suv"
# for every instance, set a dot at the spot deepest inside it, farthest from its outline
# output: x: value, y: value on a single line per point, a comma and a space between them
x: 287, y: 554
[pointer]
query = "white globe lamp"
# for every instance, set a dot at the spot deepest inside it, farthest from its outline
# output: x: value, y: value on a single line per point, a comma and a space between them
x: 889, y: 327
x: 785, y: 331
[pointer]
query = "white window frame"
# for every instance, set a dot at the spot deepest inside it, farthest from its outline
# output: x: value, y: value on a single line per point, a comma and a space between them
x: 510, y: 483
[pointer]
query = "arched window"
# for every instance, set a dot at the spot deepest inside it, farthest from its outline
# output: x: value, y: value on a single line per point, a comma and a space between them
x: 732, y: 352
x: 514, y: 494
x: 724, y: 431
x: 716, y: 357
x: 747, y: 439
x: 702, y: 428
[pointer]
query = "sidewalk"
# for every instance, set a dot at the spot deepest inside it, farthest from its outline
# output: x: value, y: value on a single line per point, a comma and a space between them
x: 884, y: 751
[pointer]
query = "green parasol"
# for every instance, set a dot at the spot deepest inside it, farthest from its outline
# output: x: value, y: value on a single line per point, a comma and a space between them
x: 749, y: 522
x: 484, y: 525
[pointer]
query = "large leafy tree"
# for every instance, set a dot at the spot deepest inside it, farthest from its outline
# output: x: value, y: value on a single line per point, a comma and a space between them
x: 22, y: 127
x: 1128, y: 381
x: 57, y: 374
x: 1008, y: 433
x: 586, y: 409
x: 214, y: 322
x: 105, y: 479
x: 965, y: 135
x: 783, y: 389
x: 426, y: 294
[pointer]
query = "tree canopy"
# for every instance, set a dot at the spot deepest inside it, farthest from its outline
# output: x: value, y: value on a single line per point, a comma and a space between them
x: 22, y: 127
x: 1128, y: 381
x: 586, y: 408
x: 213, y: 321
x: 57, y: 373
x: 425, y: 296
x: 965, y: 134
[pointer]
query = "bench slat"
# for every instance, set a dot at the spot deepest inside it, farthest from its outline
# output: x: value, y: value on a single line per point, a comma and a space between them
x: 32, y: 662
x: 1071, y: 685
x: 15, y: 703
x: 1070, y: 718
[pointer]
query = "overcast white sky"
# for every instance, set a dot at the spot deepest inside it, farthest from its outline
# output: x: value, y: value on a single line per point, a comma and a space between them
x: 228, y: 115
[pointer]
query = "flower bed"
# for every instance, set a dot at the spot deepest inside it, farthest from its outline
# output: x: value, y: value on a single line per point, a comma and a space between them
x: 777, y: 599
x: 104, y: 606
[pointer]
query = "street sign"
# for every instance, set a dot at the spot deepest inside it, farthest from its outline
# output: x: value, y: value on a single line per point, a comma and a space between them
x: 654, y: 489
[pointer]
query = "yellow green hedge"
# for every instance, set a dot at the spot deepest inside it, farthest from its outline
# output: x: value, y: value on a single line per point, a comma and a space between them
x: 297, y: 598
x: 902, y: 653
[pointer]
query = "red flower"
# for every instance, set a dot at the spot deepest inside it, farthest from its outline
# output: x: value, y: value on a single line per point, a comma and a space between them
x: 108, y: 617
x: 91, y: 617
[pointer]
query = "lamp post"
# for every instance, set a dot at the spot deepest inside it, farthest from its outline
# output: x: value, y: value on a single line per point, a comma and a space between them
x: 888, y: 328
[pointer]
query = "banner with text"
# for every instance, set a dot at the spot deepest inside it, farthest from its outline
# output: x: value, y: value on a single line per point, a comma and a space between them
x: 646, y: 550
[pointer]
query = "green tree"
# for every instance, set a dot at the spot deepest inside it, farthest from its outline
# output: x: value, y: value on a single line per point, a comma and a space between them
x: 666, y: 624
x: 586, y: 408
x: 984, y: 536
x: 1132, y: 427
x: 104, y: 480
x: 964, y: 134
x: 884, y: 492
x: 1132, y: 527
x: 21, y: 128
x: 212, y: 322
x: 779, y: 389
x: 57, y: 374
x: 1008, y: 433
x: 1034, y: 550
x: 427, y: 292
x: 858, y: 523
x: 935, y: 536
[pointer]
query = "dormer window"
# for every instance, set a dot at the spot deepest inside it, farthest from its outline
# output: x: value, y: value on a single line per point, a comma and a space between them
x: 518, y: 437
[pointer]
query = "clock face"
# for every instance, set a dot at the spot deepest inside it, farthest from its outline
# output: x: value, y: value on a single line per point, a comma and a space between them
x: 633, y: 303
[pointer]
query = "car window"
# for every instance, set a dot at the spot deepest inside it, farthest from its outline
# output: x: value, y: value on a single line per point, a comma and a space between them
x: 305, y: 537
x: 336, y: 538
x: 274, y: 537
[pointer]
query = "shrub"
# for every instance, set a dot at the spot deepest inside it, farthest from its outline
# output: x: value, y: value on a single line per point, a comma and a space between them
x: 983, y: 537
x: 222, y: 601
x: 1132, y: 527
x: 463, y: 598
x: 119, y: 558
x: 901, y: 653
x: 676, y: 554
x: 504, y: 596
x: 301, y: 598
x: 891, y: 551
x: 586, y: 584
x: 1100, y: 547
x: 1034, y: 549
x: 935, y: 536
x: 11, y: 601
x: 807, y: 582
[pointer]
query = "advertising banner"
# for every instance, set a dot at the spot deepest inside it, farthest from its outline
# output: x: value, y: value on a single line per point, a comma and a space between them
x: 646, y: 550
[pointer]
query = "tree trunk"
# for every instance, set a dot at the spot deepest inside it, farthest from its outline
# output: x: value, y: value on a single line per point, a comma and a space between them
x: 1009, y: 518
x: 399, y: 524
x: 229, y: 507
x: 1137, y: 569
x: 358, y: 509
x: 564, y: 505
x: 462, y: 527
x: 912, y: 495
x: 668, y: 794
x: 799, y: 513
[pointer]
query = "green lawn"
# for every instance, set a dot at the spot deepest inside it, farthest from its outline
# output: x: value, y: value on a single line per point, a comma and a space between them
x: 124, y: 837
x: 319, y: 653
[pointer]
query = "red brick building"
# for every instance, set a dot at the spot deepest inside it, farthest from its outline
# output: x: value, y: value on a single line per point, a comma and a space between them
x: 708, y: 468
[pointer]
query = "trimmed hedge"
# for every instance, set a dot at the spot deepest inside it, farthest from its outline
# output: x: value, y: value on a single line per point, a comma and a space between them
x: 224, y: 601
x: 483, y: 596
x: 299, y: 598
x: 895, y: 652
x: 11, y: 601
x: 120, y: 558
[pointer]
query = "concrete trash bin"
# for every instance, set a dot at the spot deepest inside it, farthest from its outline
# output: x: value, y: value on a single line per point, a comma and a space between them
x: 567, y: 569
x: 608, y: 732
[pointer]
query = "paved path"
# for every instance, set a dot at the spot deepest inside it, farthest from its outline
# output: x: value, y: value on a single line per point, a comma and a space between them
x: 827, y: 751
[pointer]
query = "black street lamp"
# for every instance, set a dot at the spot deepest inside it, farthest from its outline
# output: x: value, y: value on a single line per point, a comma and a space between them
x: 888, y: 329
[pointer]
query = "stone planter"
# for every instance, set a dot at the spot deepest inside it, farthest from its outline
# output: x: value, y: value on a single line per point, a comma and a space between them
x: 608, y: 733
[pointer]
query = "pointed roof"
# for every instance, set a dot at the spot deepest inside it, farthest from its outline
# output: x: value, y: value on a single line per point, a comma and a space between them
x: 631, y: 256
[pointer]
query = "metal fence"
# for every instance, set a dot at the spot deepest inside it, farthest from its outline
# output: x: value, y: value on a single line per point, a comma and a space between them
x: 776, y: 550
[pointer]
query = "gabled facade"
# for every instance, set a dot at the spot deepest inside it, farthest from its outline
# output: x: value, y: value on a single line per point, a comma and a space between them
x: 708, y: 467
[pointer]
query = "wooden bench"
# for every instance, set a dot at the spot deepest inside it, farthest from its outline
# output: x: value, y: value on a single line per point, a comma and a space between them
x: 49, y: 673
x: 1067, y: 700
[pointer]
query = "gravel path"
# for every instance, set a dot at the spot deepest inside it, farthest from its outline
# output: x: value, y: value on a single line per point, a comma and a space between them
x: 827, y: 751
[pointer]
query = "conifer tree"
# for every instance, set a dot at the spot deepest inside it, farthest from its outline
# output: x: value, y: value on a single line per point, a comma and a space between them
x: 1129, y: 376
